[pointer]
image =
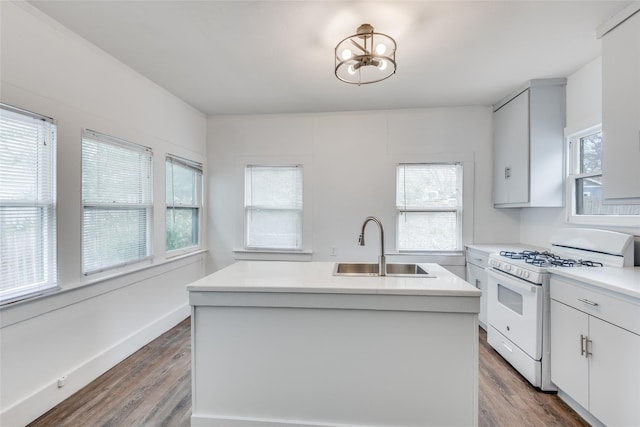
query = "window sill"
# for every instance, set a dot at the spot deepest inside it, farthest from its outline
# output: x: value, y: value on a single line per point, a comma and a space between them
x: 272, y: 255
x: 182, y: 252
x: 75, y: 293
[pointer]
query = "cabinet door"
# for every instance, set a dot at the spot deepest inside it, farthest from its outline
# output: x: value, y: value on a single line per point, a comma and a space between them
x: 478, y: 278
x: 511, y: 151
x: 621, y: 111
x: 614, y: 374
x: 569, y: 368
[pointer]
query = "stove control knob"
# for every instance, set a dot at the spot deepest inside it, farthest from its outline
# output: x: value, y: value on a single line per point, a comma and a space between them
x: 507, y: 267
x: 518, y: 272
x: 526, y: 275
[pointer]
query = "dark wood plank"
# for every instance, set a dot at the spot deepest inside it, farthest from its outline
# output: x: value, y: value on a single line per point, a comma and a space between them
x: 153, y: 388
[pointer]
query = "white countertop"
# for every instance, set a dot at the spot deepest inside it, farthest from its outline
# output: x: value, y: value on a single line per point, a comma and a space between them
x: 317, y: 277
x: 490, y: 248
x: 623, y: 280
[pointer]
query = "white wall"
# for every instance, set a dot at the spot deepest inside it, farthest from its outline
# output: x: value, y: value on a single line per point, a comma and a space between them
x: 584, y: 109
x: 349, y: 165
x: 94, y: 322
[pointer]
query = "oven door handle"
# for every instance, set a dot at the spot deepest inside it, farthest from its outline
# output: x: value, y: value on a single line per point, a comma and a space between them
x: 512, y: 282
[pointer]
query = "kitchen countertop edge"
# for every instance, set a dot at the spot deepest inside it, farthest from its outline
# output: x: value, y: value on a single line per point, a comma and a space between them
x: 318, y: 278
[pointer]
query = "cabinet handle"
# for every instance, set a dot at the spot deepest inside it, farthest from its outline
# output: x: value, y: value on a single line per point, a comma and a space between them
x: 583, y: 340
x: 507, y: 172
x: 587, y: 345
x: 586, y: 301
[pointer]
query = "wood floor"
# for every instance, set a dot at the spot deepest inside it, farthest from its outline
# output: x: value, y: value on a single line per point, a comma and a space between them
x: 153, y: 388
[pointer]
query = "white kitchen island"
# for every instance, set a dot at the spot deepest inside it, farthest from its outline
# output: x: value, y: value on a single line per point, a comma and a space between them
x: 290, y: 344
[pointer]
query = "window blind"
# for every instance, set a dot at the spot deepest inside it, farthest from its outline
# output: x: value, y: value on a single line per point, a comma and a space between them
x: 27, y: 203
x: 117, y: 202
x: 273, y: 207
x: 184, y: 203
x: 429, y: 207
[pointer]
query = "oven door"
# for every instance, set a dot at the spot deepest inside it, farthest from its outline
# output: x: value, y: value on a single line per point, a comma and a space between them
x: 514, y: 308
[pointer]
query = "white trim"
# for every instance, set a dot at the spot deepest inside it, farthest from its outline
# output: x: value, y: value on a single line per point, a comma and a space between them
x: 76, y: 293
x: 226, y: 421
x: 272, y: 255
x: 617, y: 19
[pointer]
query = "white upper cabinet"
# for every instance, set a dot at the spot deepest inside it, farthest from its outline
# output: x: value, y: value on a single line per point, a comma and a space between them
x: 528, y: 146
x: 621, y: 108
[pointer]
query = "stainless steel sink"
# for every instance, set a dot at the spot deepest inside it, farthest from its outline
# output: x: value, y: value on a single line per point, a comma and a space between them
x: 410, y: 269
x: 393, y: 270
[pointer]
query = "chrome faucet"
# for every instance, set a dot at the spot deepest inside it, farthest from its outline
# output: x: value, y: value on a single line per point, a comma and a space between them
x: 382, y: 263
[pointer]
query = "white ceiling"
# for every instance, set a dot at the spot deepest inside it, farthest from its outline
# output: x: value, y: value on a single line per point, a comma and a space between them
x: 245, y: 57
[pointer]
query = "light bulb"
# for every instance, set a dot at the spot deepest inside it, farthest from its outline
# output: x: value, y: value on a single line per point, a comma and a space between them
x: 346, y: 54
x: 351, y: 70
x: 383, y: 65
x: 381, y: 49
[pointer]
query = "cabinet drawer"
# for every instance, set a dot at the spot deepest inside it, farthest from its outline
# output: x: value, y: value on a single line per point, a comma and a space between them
x: 610, y: 308
x: 478, y: 258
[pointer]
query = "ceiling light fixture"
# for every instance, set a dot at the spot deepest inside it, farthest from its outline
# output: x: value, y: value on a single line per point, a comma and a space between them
x: 365, y: 57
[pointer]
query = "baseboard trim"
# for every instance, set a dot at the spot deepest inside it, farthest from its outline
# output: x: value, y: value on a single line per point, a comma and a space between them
x: 225, y: 421
x: 586, y: 415
x: 45, y: 398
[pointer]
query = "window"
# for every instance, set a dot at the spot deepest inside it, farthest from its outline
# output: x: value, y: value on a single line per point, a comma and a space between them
x: 273, y: 207
x: 117, y: 202
x: 585, y: 181
x: 27, y: 204
x: 429, y: 207
x: 184, y: 203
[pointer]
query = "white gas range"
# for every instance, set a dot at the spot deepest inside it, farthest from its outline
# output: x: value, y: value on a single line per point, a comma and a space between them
x: 518, y: 303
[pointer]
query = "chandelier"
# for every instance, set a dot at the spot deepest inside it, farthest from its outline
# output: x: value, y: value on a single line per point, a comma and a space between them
x: 365, y: 57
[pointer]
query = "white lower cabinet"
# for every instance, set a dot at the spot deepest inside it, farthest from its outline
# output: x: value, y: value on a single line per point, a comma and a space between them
x: 593, y: 361
x: 569, y: 366
x: 477, y: 261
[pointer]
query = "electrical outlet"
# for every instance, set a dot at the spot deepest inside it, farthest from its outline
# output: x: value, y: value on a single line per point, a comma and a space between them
x: 62, y: 381
x: 332, y: 251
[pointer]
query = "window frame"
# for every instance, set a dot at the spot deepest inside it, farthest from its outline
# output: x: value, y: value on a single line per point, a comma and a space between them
x: 199, y: 196
x: 47, y: 237
x: 573, y: 175
x: 459, y: 210
x: 147, y: 207
x: 300, y: 247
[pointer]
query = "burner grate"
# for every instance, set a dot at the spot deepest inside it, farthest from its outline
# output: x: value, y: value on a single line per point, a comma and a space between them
x: 545, y: 259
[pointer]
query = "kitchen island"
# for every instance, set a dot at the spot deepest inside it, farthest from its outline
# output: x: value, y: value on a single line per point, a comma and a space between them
x: 290, y: 344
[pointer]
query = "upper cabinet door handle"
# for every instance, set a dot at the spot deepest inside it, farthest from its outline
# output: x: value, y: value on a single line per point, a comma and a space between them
x: 507, y: 172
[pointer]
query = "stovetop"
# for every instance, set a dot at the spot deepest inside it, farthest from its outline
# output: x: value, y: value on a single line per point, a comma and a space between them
x: 548, y: 259
x: 532, y: 266
x: 576, y: 247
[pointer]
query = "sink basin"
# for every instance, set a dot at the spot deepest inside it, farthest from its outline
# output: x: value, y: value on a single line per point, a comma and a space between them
x: 349, y: 269
x: 411, y: 269
x: 393, y: 270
